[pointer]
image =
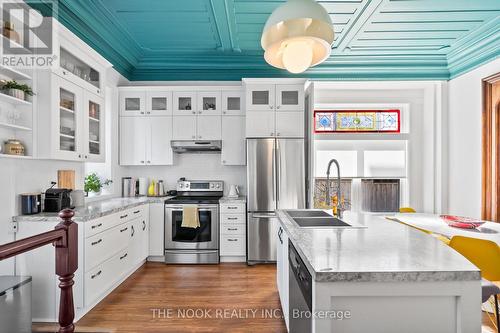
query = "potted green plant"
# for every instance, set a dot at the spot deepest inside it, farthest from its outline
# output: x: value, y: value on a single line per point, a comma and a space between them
x: 17, y: 90
x: 93, y: 184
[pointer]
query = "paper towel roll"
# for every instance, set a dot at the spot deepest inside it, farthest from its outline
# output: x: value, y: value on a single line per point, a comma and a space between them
x: 143, y: 186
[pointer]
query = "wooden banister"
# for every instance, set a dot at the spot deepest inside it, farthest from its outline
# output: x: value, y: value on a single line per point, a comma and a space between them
x: 65, y: 239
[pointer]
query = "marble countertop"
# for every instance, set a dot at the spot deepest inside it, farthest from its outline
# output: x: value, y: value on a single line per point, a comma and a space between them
x: 93, y: 210
x: 240, y: 199
x: 384, y: 251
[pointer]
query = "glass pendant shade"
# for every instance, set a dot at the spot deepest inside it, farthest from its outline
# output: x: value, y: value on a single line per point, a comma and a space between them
x: 298, y: 34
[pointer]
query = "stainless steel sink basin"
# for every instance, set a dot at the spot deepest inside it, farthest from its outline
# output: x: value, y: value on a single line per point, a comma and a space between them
x: 320, y: 222
x: 307, y: 213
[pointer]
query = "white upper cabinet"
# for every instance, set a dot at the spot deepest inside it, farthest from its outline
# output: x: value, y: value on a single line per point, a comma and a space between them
x: 290, y: 97
x: 260, y: 124
x: 159, y: 103
x: 146, y: 140
x: 184, y: 127
x: 232, y: 103
x: 132, y: 103
x: 208, y: 127
x: 290, y: 124
x: 274, y: 110
x: 233, y: 140
x: 133, y: 138
x: 260, y: 97
x: 160, y: 152
x: 209, y: 103
x: 94, y: 128
x: 184, y: 103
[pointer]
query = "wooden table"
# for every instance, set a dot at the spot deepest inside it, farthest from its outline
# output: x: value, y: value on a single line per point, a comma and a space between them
x: 434, y: 224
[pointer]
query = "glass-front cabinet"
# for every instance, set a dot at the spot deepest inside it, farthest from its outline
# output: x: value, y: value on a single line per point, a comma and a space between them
x: 159, y: 103
x: 67, y: 109
x: 290, y: 97
x: 184, y: 103
x: 87, y: 76
x: 132, y: 103
x: 94, y: 128
x: 209, y: 102
x: 260, y: 97
x: 231, y: 103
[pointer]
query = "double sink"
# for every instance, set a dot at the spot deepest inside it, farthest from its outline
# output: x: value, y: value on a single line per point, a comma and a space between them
x: 307, y: 218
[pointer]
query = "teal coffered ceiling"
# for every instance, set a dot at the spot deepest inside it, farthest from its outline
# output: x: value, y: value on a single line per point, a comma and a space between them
x: 220, y: 39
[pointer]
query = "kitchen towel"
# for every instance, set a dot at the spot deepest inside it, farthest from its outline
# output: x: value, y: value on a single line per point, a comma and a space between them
x: 190, y: 217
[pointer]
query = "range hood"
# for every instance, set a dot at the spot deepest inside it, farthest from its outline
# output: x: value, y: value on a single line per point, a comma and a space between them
x: 196, y: 146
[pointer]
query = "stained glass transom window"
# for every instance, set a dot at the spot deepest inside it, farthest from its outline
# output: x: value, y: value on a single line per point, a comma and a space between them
x: 329, y: 121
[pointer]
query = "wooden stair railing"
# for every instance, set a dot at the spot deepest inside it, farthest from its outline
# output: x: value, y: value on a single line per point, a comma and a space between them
x: 65, y: 239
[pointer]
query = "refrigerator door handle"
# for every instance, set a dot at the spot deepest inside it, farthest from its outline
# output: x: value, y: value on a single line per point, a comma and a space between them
x: 263, y: 215
x: 273, y: 162
x: 278, y: 172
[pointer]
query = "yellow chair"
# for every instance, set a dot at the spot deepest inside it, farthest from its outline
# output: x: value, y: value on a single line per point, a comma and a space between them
x: 407, y: 210
x: 485, y: 255
x: 411, y: 210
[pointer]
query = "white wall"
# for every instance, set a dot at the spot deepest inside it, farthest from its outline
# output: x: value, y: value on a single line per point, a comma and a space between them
x: 425, y: 158
x: 21, y: 176
x: 464, y: 128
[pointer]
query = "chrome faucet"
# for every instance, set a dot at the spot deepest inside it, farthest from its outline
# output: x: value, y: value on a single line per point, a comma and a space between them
x: 328, y: 199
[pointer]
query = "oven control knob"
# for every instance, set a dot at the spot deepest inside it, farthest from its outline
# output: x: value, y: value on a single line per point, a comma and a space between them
x: 218, y: 185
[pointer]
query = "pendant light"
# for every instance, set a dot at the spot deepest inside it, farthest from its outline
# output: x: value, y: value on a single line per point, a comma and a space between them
x: 297, y: 35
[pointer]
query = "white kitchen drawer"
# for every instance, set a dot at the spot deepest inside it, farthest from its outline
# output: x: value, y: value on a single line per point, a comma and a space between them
x: 232, y: 208
x: 232, y: 218
x: 103, y: 276
x: 233, y: 245
x: 233, y: 229
x: 101, y: 224
x: 100, y: 247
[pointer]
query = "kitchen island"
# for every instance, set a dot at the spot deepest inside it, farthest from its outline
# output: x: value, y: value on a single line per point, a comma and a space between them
x: 380, y: 276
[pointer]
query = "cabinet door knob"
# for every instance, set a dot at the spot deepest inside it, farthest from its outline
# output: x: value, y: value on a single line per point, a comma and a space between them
x: 142, y: 112
x: 270, y: 106
x: 278, y: 107
x: 149, y: 112
x: 223, y: 161
x: 272, y: 133
x: 194, y: 136
x: 79, y: 155
x: 142, y: 162
x: 199, y: 137
x: 194, y: 112
x: 199, y: 112
x: 277, y: 134
x: 149, y: 161
x: 86, y: 156
x: 224, y: 112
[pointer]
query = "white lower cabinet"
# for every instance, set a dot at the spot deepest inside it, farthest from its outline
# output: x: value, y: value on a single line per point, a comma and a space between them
x: 233, y: 230
x: 156, y: 230
x: 146, y: 140
x: 110, y: 248
x: 233, y: 140
x: 282, y: 270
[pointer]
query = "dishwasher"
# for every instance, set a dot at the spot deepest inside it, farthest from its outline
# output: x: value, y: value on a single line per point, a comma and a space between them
x: 300, y: 293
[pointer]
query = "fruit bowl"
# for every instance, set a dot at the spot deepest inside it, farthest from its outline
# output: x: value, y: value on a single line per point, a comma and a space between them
x: 462, y: 222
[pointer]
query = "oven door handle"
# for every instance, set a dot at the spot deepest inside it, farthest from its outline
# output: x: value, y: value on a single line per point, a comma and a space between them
x: 200, y: 207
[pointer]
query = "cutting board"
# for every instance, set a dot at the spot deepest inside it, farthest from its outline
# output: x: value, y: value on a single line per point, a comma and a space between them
x: 66, y: 179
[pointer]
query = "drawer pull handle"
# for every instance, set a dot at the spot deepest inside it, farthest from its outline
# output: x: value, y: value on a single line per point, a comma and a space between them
x: 97, y: 226
x: 124, y: 229
x: 137, y: 212
x: 96, y: 275
x: 133, y: 231
x: 229, y: 207
x: 232, y: 239
x: 124, y: 256
x: 232, y: 229
x: 143, y: 225
x: 123, y: 216
x: 96, y: 242
x: 232, y: 218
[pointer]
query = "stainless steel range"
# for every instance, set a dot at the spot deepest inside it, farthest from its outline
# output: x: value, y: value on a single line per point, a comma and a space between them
x: 185, y: 245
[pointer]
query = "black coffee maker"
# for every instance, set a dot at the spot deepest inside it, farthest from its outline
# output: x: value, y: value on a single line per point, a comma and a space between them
x: 56, y: 199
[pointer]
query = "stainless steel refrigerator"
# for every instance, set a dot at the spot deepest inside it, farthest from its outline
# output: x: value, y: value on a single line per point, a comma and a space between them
x: 276, y: 180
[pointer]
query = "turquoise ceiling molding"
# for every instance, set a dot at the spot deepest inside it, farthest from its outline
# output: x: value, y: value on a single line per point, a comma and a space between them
x: 220, y: 39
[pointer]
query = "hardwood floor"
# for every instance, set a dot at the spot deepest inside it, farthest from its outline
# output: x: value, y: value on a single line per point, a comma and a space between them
x: 157, y: 291
x: 136, y: 304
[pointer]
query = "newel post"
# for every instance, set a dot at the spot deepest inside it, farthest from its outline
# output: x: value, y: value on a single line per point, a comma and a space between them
x: 66, y: 266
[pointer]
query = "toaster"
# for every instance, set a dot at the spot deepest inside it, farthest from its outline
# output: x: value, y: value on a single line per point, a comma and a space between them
x: 56, y: 199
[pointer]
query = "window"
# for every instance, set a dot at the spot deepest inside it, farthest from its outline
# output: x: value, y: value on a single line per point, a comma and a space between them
x: 330, y: 121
